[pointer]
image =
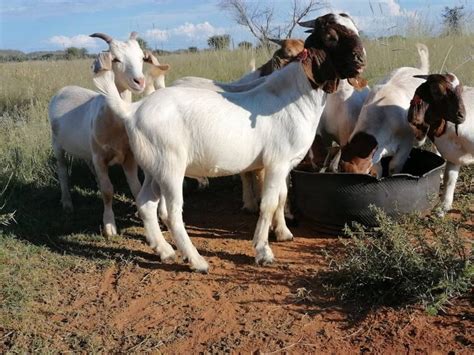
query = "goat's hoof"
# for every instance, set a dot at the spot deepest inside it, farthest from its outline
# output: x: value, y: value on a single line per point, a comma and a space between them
x: 284, y: 235
x: 441, y: 211
x: 201, y: 266
x: 110, y: 230
x: 168, y: 255
x: 264, y: 256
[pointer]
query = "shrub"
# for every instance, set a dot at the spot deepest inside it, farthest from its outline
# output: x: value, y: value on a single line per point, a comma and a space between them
x: 415, y: 259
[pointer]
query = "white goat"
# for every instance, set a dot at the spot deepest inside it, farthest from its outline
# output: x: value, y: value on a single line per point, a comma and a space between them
x: 288, y: 51
x: 443, y: 110
x: 83, y: 126
x: 382, y: 129
x: 182, y: 131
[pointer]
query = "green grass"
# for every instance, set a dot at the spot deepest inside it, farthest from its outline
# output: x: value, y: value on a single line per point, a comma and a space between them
x: 407, y: 261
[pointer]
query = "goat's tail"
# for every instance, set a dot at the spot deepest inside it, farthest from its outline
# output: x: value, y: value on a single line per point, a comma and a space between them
x: 104, y: 80
x: 424, y: 57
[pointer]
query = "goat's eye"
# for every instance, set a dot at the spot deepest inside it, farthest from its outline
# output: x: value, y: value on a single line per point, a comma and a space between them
x: 115, y: 60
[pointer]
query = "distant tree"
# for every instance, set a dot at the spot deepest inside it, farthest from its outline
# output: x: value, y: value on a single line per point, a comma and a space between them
x: 192, y: 49
x: 453, y: 18
x: 143, y: 44
x: 245, y: 45
x: 259, y: 16
x: 218, y: 42
x: 75, y: 53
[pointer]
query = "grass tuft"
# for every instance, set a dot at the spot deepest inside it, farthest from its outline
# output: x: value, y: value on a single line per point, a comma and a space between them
x: 412, y: 260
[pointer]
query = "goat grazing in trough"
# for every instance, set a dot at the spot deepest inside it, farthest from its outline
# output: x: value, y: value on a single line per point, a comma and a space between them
x: 382, y: 129
x: 288, y: 51
x: 218, y: 134
x: 84, y: 126
x: 443, y: 110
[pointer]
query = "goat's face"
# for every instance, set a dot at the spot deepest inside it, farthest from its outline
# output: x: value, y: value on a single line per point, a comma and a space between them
x: 436, y: 101
x: 357, y: 155
x: 337, y: 35
x: 127, y: 58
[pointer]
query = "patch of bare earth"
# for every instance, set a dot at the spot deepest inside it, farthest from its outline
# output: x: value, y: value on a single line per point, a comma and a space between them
x: 147, y: 305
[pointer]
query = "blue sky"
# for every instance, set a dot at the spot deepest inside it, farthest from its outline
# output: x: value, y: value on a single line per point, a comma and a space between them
x: 31, y: 25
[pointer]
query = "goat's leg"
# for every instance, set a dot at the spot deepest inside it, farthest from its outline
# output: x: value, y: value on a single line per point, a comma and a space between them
x: 281, y: 230
x: 248, y: 195
x: 61, y: 166
x: 130, y: 168
x: 171, y: 185
x: 275, y: 178
x: 147, y: 203
x: 451, y: 174
x: 107, y: 191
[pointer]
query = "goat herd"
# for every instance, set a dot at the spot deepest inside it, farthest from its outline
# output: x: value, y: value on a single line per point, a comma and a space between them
x: 261, y: 126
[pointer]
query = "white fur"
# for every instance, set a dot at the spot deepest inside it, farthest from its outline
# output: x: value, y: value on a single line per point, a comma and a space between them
x: 181, y: 131
x: 84, y: 127
x: 384, y: 114
x: 346, y: 22
x: 458, y: 150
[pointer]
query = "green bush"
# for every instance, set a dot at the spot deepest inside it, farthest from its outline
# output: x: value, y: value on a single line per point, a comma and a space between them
x: 413, y: 260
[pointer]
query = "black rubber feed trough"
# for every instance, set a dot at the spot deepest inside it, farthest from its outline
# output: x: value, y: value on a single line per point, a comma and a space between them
x: 331, y: 200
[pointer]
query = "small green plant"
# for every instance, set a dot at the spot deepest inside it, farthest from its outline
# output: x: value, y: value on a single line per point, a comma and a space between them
x: 412, y: 260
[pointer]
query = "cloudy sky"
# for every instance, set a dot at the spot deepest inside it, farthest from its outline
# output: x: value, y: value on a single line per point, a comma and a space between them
x: 31, y: 25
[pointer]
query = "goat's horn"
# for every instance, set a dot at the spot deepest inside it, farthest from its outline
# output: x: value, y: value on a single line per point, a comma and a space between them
x: 276, y: 40
x: 421, y: 76
x: 103, y: 36
x: 310, y: 23
x: 133, y: 35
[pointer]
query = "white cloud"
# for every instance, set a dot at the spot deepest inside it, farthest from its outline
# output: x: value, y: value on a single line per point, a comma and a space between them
x: 393, y: 7
x: 74, y: 41
x: 188, y: 31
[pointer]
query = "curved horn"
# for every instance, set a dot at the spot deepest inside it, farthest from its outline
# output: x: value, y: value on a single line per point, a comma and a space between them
x: 150, y: 58
x: 133, y: 35
x: 310, y: 23
x: 103, y: 36
x: 276, y: 40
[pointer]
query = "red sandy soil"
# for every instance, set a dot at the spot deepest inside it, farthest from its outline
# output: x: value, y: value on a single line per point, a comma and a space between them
x: 241, y: 307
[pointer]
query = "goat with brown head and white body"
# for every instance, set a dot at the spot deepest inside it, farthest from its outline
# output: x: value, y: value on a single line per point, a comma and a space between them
x: 83, y: 126
x: 382, y: 129
x: 443, y: 110
x: 270, y: 127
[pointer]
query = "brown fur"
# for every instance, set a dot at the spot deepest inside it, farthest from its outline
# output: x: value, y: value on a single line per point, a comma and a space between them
x: 290, y: 48
x: 356, y: 156
x: 435, y: 102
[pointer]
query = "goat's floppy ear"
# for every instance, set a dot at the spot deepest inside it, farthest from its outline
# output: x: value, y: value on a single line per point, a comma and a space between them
x: 157, y: 70
x: 103, y: 62
x: 358, y: 82
x: 331, y: 86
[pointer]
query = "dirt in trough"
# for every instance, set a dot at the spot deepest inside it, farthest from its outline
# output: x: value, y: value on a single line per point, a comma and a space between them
x: 146, y: 305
